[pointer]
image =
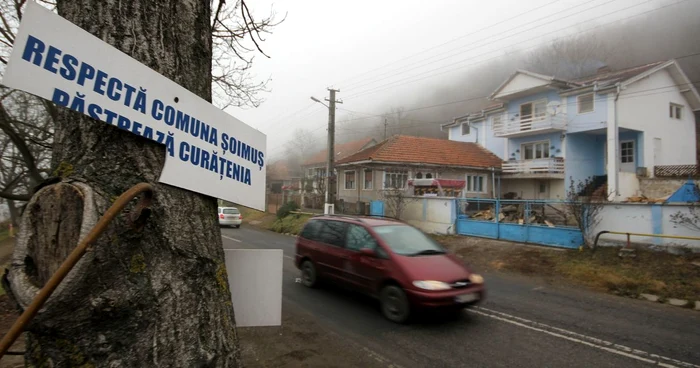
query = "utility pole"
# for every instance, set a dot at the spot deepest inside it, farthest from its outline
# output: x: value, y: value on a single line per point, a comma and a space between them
x: 331, y: 184
x: 385, y: 124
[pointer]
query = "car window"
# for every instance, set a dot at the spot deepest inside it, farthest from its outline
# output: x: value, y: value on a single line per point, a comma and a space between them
x: 310, y: 230
x: 231, y: 211
x: 358, y: 238
x: 407, y: 240
x: 332, y: 232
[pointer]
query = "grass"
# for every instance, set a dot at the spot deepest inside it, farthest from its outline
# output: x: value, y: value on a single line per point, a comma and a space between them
x: 652, y: 272
x: 291, y: 224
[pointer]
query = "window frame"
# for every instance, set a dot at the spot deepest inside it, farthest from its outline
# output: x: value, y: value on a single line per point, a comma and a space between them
x: 545, y: 147
x: 364, y: 179
x: 578, y: 103
x: 387, y: 173
x: 469, y: 129
x: 632, y: 153
x: 345, y: 179
x: 675, y: 111
x: 471, y: 183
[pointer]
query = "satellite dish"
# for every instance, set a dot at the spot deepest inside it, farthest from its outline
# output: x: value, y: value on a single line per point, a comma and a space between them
x: 553, y: 107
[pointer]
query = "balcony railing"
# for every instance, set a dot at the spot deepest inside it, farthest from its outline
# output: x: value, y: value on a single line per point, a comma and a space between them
x: 553, y: 165
x: 527, y: 124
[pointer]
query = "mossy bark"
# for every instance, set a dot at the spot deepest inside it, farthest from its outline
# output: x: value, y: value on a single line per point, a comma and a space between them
x: 154, y: 298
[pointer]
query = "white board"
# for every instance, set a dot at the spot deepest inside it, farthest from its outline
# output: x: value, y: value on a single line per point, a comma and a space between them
x: 255, y: 279
x: 208, y: 151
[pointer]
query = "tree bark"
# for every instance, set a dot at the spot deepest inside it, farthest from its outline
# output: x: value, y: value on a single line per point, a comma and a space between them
x: 154, y: 298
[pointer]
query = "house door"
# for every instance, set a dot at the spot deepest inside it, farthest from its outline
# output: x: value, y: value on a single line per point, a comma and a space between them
x: 628, y: 157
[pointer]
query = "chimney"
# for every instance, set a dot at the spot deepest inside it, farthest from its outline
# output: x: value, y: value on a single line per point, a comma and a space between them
x: 603, y: 69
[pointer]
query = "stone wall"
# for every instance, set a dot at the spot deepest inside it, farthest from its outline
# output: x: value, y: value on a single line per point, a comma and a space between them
x: 659, y: 187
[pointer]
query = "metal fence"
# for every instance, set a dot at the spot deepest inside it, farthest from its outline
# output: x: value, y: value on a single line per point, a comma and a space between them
x: 528, y: 221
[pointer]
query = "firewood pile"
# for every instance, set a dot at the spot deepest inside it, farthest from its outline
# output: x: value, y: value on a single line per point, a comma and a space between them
x: 644, y: 199
x: 513, y: 214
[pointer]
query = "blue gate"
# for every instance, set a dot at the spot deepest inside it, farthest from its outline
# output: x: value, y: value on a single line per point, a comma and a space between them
x: 376, y: 208
x: 526, y: 221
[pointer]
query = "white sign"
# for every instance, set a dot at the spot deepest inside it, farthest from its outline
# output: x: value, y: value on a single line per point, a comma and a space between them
x: 208, y: 150
x: 255, y: 279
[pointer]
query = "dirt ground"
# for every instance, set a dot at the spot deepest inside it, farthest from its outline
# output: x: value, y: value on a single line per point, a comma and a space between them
x: 299, y: 342
x: 652, y: 272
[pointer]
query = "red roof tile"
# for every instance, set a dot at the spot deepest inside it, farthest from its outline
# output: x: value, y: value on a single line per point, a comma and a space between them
x: 342, y: 150
x: 279, y: 170
x: 431, y: 151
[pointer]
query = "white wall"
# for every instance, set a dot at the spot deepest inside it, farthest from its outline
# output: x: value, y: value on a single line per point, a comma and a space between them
x: 637, y: 218
x: 629, y: 184
x: 521, y: 82
x: 644, y: 106
x: 431, y: 215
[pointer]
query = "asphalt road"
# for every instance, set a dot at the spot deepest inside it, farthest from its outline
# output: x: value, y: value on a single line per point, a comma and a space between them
x: 522, y: 323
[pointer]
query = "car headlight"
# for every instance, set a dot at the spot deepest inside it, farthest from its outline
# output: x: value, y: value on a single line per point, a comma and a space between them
x: 431, y: 285
x: 476, y: 278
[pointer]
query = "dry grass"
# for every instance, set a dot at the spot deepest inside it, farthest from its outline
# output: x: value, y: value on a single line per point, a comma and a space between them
x: 659, y: 273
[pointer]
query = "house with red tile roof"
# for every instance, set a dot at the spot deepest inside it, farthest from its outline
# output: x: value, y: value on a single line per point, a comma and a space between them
x: 314, y: 167
x: 420, y: 166
x: 615, y: 130
x: 282, y: 177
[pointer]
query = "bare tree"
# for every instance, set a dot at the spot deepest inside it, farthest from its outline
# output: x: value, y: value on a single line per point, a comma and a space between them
x: 159, y: 297
x: 691, y: 219
x: 397, y: 195
x: 583, y: 204
x: 571, y: 57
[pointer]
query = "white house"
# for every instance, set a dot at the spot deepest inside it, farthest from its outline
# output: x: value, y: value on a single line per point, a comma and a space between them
x: 613, y: 127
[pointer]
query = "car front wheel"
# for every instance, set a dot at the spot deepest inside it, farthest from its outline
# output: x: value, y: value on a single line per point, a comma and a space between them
x: 394, y: 304
x: 308, y: 274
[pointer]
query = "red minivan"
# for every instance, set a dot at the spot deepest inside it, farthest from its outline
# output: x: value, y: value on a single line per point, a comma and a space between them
x: 387, y: 259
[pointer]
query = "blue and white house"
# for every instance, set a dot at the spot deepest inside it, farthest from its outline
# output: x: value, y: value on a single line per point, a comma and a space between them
x: 614, y: 127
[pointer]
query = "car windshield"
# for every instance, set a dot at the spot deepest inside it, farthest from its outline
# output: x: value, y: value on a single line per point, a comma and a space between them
x: 408, y: 241
x: 231, y: 211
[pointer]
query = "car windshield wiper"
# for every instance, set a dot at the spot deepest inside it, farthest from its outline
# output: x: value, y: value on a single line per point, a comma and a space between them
x: 427, y: 252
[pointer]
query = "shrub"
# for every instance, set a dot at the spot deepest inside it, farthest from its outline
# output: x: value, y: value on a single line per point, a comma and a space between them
x: 286, y: 208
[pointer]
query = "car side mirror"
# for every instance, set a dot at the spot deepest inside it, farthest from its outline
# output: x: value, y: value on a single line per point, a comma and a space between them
x: 368, y: 252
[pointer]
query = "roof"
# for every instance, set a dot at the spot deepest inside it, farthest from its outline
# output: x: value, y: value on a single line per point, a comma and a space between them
x: 616, y: 75
x: 279, y: 170
x: 342, y: 150
x: 427, y: 151
x: 546, y: 78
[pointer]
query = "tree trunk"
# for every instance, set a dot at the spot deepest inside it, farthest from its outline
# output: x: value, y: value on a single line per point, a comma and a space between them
x: 154, y: 298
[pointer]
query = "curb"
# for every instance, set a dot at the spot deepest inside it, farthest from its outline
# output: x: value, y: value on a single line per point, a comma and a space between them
x: 682, y: 303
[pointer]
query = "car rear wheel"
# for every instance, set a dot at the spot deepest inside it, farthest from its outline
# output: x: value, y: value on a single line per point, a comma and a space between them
x: 394, y: 304
x: 308, y: 274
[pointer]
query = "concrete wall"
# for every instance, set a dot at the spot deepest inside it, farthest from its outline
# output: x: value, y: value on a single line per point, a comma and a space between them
x: 597, y: 119
x: 585, y: 157
x: 432, y: 215
x: 658, y: 187
x: 648, y: 219
x: 530, y: 188
x: 649, y: 112
x: 629, y: 184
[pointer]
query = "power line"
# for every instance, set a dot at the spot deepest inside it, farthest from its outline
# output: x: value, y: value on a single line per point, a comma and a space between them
x: 408, y: 81
x: 485, y: 41
x: 448, y: 42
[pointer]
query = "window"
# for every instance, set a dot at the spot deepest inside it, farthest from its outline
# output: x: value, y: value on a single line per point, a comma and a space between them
x: 408, y: 241
x: 349, y: 180
x: 497, y: 120
x: 585, y: 103
x: 311, y: 172
x: 465, y: 128
x: 332, y: 232
x: 358, y: 238
x: 368, y: 178
x: 231, y: 211
x: 627, y: 152
x: 475, y: 183
x: 533, y: 151
x: 674, y: 111
x: 541, y: 110
x: 419, y: 176
x: 395, y: 179
x: 310, y: 231
x: 427, y: 175
x: 543, y: 188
